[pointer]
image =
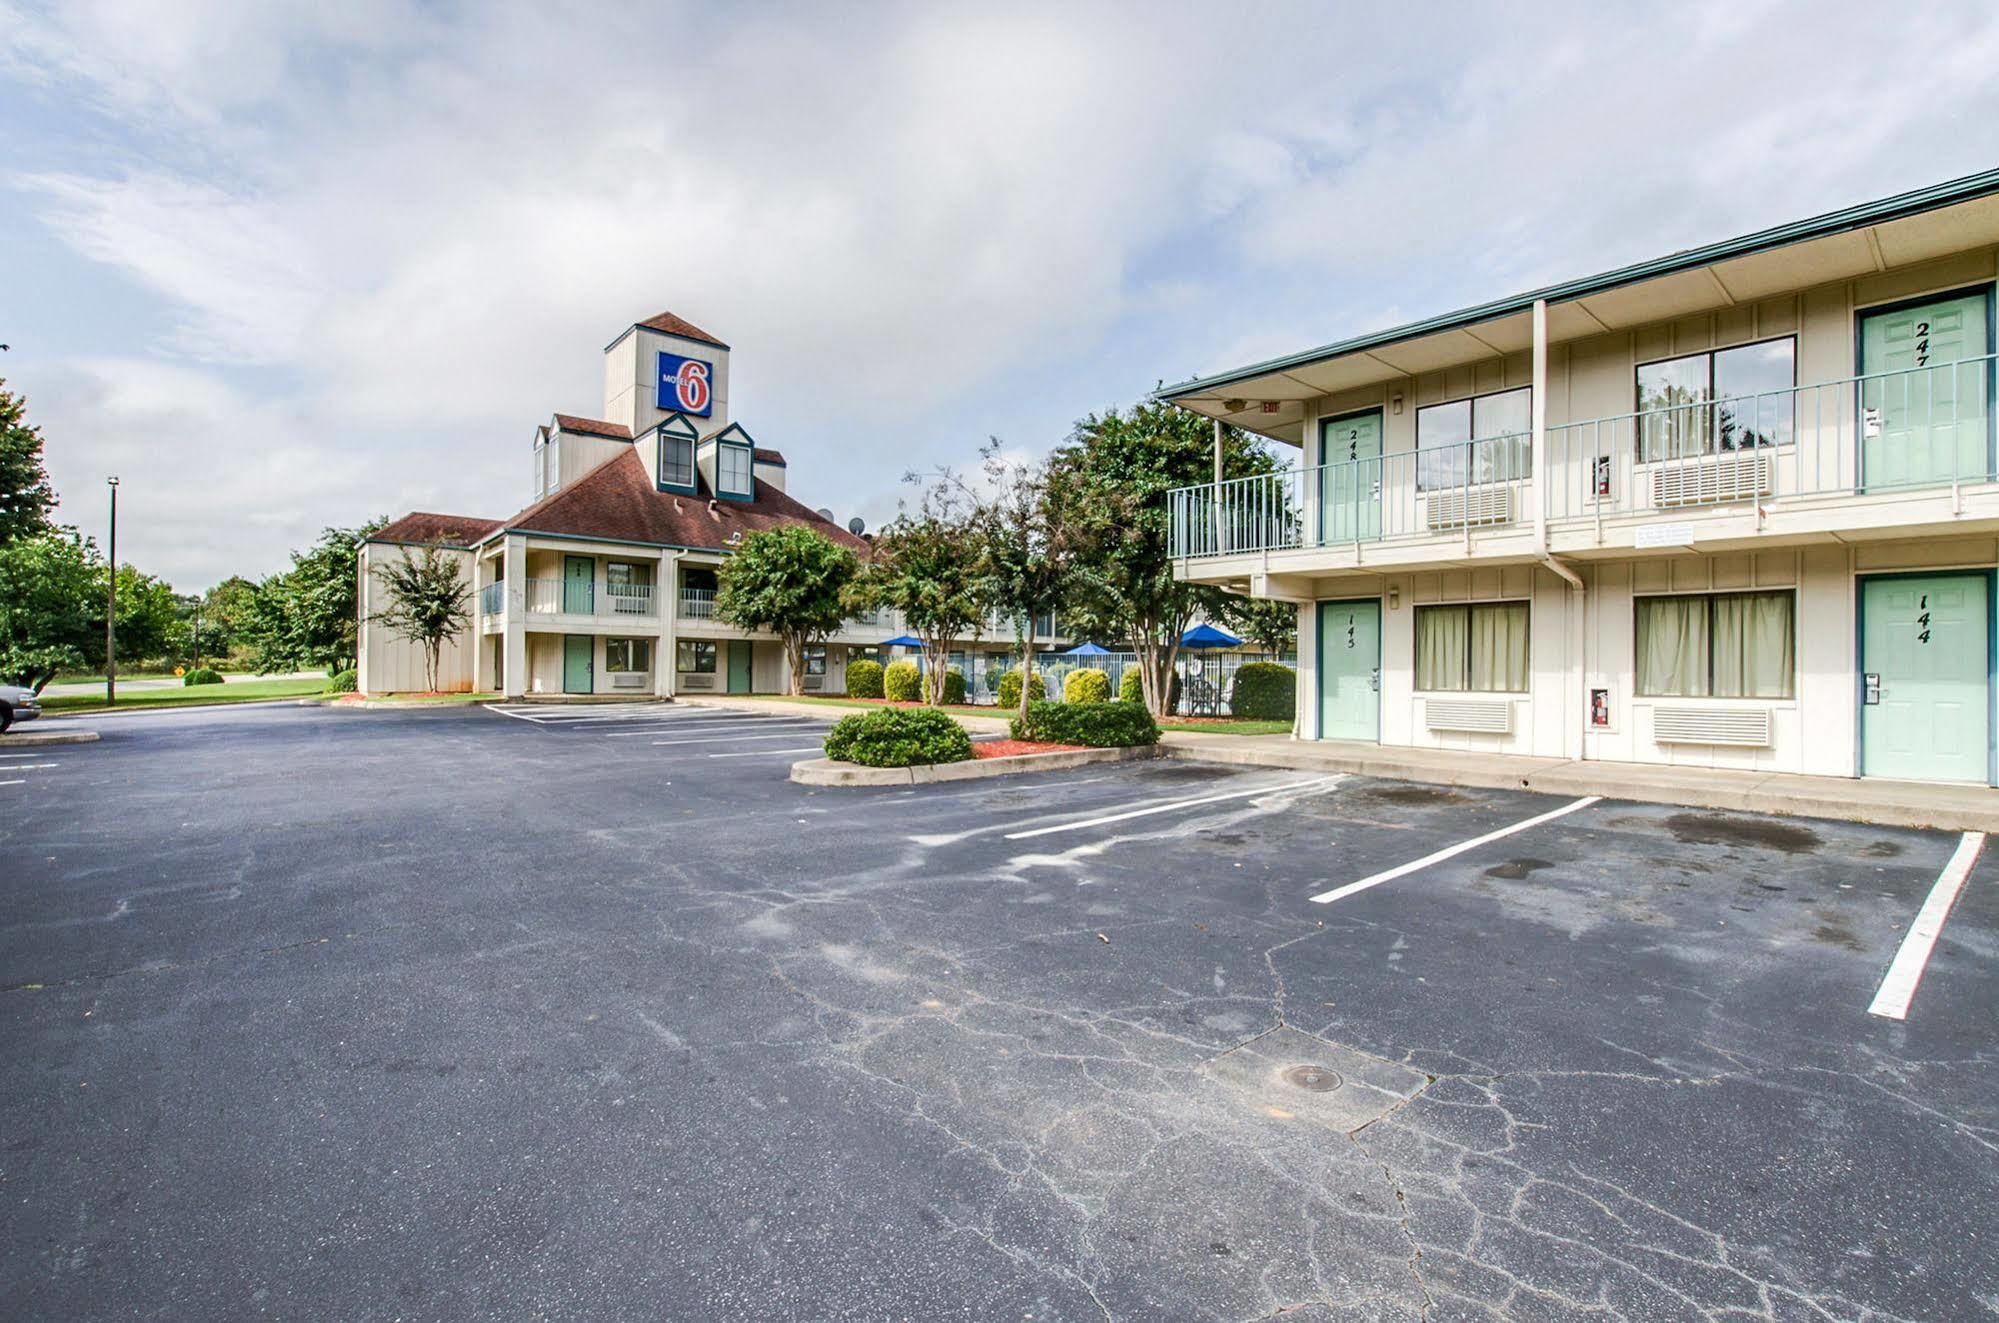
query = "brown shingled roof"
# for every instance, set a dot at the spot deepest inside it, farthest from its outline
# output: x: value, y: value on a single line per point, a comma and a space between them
x: 442, y: 529
x: 569, y: 422
x: 769, y: 456
x: 618, y: 501
x: 671, y: 325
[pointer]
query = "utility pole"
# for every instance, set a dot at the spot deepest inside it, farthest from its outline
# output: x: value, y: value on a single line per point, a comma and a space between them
x: 111, y: 608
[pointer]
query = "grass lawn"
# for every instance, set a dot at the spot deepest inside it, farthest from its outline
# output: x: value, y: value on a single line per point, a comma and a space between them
x: 245, y: 691
x: 1224, y: 726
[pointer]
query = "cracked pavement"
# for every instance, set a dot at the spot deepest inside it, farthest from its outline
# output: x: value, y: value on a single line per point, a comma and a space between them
x: 438, y: 1015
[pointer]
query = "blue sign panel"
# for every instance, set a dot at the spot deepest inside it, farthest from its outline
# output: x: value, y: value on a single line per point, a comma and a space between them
x: 686, y: 385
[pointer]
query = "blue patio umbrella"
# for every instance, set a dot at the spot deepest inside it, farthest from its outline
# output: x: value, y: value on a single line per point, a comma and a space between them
x: 903, y: 641
x: 1086, y: 650
x: 1207, y: 636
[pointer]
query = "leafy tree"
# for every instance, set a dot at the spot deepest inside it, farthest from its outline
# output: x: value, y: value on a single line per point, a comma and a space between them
x: 305, y: 617
x: 1270, y: 625
x: 148, y: 615
x: 25, y: 494
x: 429, y: 598
x: 928, y: 566
x: 789, y: 581
x: 1112, y: 477
x: 50, y: 606
x: 225, y: 615
x: 1026, y: 548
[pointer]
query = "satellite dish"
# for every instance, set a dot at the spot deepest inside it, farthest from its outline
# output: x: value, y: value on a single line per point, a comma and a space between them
x: 824, y: 513
x: 857, y: 525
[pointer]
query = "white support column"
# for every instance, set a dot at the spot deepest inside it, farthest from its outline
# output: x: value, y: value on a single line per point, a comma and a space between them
x: 514, y: 653
x: 1543, y: 480
x: 480, y: 680
x: 666, y: 592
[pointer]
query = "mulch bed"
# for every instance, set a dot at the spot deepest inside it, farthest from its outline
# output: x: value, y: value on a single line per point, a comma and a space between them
x: 1008, y: 748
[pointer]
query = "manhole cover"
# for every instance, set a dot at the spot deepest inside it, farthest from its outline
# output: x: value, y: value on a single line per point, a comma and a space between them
x: 1316, y: 1079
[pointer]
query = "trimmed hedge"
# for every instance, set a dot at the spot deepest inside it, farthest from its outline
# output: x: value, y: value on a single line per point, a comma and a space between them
x: 1098, y: 725
x: 1132, y: 689
x: 1265, y: 691
x: 864, y: 679
x: 901, y: 683
x: 954, y: 687
x: 1087, y: 686
x: 343, y: 682
x: 898, y: 737
x: 201, y: 675
x: 1009, y: 688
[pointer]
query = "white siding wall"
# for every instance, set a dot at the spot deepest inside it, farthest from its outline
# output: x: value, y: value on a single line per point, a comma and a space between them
x: 388, y: 664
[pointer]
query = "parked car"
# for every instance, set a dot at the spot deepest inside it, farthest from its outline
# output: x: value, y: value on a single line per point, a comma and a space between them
x: 17, y: 704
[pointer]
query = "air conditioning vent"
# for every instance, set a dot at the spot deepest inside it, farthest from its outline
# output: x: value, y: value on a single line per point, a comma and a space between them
x: 629, y: 680
x: 697, y: 682
x: 1748, y: 727
x: 815, y: 682
x: 1712, y: 481
x: 1469, y: 506
x: 1483, y: 716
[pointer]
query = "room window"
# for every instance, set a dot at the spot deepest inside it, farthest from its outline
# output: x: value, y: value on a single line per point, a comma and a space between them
x: 547, y: 467
x: 1488, y: 438
x: 815, y: 659
x: 676, y: 460
x: 628, y: 587
x: 1730, y: 399
x: 627, y: 655
x: 1480, y: 648
x: 697, y: 657
x: 732, y: 470
x: 1725, y: 645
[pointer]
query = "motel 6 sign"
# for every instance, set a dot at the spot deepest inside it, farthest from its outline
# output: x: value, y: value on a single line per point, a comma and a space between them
x: 686, y: 385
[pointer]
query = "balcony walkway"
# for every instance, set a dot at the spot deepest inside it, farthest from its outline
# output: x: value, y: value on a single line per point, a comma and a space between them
x: 1887, y: 803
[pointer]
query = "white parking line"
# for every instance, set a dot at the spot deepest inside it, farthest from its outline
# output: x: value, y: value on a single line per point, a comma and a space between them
x: 733, y: 739
x: 707, y: 728
x: 1898, y: 989
x: 20, y: 782
x: 766, y: 753
x: 1283, y: 789
x: 1449, y: 852
x: 24, y: 767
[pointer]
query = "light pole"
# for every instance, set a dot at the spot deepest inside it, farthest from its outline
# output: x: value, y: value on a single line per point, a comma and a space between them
x: 111, y: 608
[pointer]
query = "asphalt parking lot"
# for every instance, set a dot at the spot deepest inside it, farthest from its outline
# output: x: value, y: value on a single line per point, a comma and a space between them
x: 565, y: 1014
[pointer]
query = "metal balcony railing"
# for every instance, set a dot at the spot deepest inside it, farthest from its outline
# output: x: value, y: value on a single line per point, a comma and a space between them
x: 561, y: 596
x: 493, y: 599
x: 1923, y: 427
x: 697, y: 603
x: 628, y: 599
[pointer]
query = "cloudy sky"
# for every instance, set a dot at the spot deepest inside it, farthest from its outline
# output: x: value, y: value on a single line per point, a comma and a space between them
x: 286, y: 265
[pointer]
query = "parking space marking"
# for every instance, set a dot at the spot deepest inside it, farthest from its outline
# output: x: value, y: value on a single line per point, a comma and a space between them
x: 1282, y: 789
x: 1452, y: 851
x: 21, y: 781
x: 24, y: 767
x: 766, y: 753
x: 732, y: 739
x: 1898, y: 989
x: 658, y: 727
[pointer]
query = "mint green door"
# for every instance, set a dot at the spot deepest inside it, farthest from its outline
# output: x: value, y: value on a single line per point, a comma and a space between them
x: 576, y: 670
x: 1350, y: 481
x: 579, y: 578
x: 1924, y: 409
x: 1350, y: 670
x: 739, y: 666
x: 1924, y: 674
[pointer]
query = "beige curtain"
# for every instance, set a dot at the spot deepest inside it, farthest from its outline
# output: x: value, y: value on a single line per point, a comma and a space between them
x: 1442, y: 636
x: 1672, y: 647
x: 1499, y: 648
x: 1753, y: 647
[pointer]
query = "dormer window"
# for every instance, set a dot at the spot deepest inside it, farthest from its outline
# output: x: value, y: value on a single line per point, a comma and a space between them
x: 676, y: 441
x: 734, y: 471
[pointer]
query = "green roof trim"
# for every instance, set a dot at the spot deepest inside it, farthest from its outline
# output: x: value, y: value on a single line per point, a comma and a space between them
x: 1915, y: 202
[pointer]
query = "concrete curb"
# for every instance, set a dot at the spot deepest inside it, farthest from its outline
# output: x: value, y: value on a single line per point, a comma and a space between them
x: 826, y: 772
x: 26, y: 739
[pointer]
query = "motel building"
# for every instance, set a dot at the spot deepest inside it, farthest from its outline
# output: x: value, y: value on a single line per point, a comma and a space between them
x: 604, y: 584
x: 1734, y: 507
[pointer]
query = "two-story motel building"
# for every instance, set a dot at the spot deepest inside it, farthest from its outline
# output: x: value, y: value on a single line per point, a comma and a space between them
x: 605, y: 583
x: 1733, y: 507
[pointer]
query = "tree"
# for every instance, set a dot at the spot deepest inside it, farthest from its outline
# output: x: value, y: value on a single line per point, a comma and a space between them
x: 50, y: 606
x: 1112, y: 477
x: 789, y: 581
x: 148, y: 614
x: 429, y: 603
x: 1270, y: 625
x: 1026, y: 549
x: 305, y: 617
x: 927, y: 566
x: 225, y: 615
x: 25, y: 494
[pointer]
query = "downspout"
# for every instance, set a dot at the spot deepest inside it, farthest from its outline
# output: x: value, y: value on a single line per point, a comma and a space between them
x: 1538, y: 404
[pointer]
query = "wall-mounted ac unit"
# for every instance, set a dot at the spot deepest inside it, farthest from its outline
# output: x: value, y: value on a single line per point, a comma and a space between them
x: 1469, y: 505
x: 1481, y: 716
x: 691, y: 681
x: 815, y: 682
x: 1715, y: 481
x: 629, y: 680
x: 1748, y: 727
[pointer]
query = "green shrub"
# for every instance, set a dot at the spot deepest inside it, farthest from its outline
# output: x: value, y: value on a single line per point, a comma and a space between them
x: 864, y: 679
x: 201, y: 675
x: 954, y: 687
x: 901, y: 683
x: 1009, y: 688
x: 1132, y: 688
x: 898, y: 737
x: 1265, y: 691
x: 343, y: 682
x: 1098, y: 725
x: 1086, y: 686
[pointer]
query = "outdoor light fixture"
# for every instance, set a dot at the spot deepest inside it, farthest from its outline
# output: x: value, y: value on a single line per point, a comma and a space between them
x: 1395, y: 402
x: 1234, y: 406
x: 1394, y: 599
